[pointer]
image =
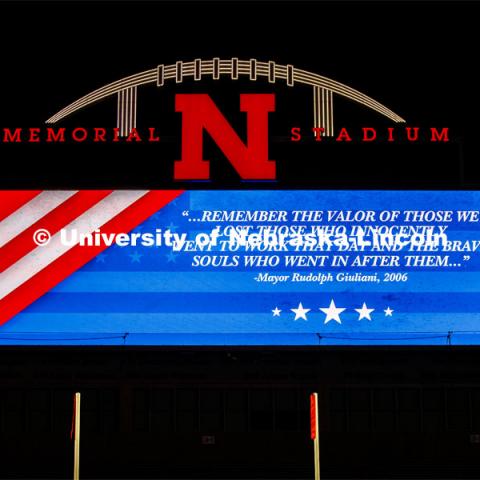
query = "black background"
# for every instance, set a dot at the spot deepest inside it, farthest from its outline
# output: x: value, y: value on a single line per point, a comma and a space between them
x: 416, y: 58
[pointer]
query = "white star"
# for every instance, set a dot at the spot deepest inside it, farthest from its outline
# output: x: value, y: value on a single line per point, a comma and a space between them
x: 300, y: 312
x: 276, y: 312
x: 332, y: 312
x: 364, y: 312
x: 388, y: 312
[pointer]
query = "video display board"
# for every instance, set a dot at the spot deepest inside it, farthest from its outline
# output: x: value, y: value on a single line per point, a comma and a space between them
x: 244, y: 268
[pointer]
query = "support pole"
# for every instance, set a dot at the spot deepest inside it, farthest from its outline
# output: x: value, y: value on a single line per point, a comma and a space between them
x: 127, y: 110
x: 323, y: 110
x: 314, y: 433
x: 76, y: 444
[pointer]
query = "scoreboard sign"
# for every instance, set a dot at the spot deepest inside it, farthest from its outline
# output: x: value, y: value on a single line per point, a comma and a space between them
x: 280, y: 267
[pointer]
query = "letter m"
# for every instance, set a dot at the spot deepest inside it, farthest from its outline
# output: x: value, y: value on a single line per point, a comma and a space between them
x: 200, y: 113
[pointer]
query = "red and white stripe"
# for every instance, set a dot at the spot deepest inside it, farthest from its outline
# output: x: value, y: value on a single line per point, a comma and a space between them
x: 27, y: 271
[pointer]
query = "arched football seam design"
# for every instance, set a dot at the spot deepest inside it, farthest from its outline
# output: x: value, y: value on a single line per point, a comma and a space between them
x: 323, y: 88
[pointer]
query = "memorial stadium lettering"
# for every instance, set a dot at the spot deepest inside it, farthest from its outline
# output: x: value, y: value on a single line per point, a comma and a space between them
x: 371, y: 134
x: 153, y: 135
x: 247, y: 152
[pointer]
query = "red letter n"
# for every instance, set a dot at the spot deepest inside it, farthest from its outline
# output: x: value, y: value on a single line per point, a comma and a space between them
x: 200, y: 113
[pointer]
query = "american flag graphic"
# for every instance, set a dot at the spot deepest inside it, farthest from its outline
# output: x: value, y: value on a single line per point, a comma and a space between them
x: 27, y: 270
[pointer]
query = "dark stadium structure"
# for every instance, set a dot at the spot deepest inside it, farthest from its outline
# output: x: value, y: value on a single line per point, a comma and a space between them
x: 152, y: 413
